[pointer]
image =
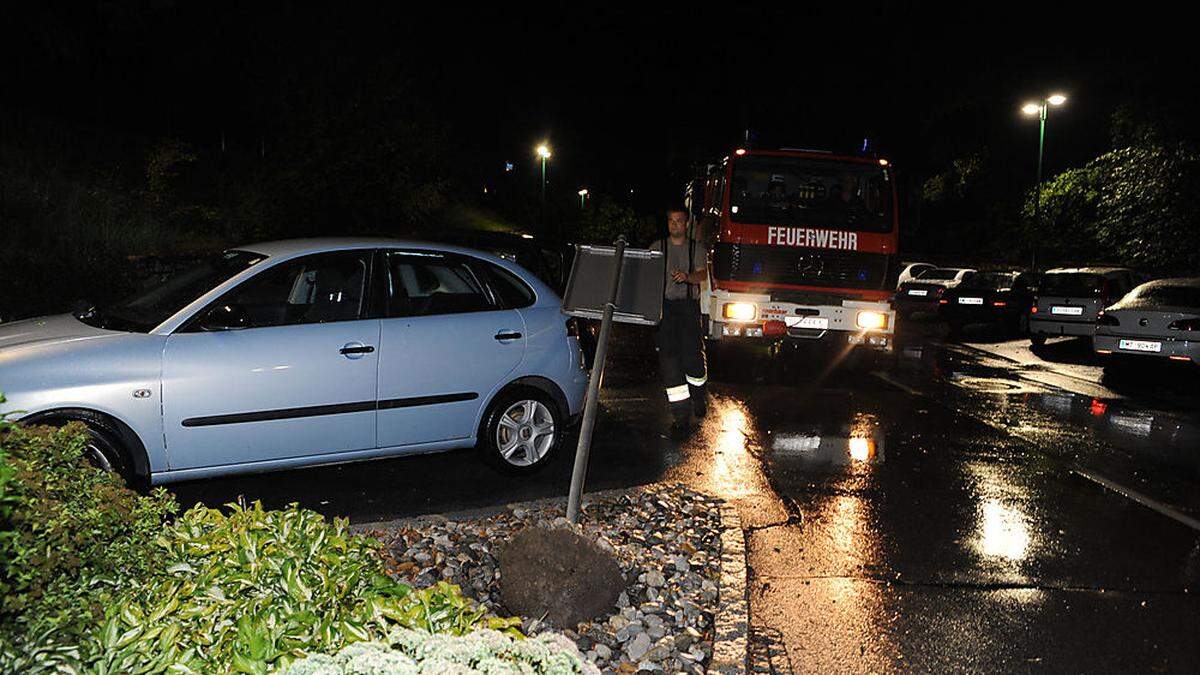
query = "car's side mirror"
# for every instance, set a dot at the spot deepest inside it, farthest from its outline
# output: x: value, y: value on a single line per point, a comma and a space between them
x: 225, y: 317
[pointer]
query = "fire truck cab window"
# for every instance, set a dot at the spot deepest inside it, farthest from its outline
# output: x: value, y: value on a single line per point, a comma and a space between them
x: 822, y: 193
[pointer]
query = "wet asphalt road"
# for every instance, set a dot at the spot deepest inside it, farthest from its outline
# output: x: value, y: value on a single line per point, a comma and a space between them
x: 941, y: 510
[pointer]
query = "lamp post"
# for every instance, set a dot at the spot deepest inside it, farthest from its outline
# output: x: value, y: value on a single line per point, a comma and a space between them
x: 583, y: 195
x: 543, y: 151
x: 1039, y: 108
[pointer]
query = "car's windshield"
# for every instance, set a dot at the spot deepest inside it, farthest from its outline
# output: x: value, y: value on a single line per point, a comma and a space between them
x: 1170, y: 296
x: 1072, y: 284
x: 166, y: 295
x: 821, y: 193
x: 938, y: 274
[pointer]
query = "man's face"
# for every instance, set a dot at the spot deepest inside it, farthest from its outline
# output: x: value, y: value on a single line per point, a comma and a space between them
x: 677, y: 223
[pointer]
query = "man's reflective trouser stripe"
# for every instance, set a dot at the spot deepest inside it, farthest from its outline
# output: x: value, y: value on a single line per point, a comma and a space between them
x: 677, y: 394
x: 697, y: 381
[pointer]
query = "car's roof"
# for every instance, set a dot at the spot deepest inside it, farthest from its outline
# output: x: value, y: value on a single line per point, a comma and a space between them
x: 1087, y: 270
x: 287, y: 248
x: 1189, y: 282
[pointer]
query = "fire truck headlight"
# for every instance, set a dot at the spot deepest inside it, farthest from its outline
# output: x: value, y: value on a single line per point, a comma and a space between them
x: 739, y: 311
x: 869, y: 320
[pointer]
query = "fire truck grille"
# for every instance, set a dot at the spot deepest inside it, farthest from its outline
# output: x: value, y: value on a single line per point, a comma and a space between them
x: 800, y: 266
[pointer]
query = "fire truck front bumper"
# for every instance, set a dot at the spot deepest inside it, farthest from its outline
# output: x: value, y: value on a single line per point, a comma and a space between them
x: 757, y: 317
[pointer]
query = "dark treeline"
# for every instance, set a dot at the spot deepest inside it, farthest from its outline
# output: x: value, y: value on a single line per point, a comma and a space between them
x: 132, y: 128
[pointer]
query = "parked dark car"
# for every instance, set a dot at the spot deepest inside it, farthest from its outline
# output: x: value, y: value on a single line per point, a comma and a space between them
x: 989, y: 297
x: 922, y: 293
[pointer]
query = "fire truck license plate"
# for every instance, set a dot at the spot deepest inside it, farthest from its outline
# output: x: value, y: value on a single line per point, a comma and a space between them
x: 1141, y: 345
x: 1069, y: 311
x: 817, y: 322
x: 970, y: 301
x: 918, y: 291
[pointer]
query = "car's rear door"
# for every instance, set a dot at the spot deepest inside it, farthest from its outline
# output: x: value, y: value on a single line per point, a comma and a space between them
x: 298, y: 380
x: 446, y: 343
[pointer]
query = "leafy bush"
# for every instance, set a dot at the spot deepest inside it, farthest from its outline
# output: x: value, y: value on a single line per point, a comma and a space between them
x: 71, y: 536
x: 251, y: 590
x: 91, y: 579
x: 410, y: 652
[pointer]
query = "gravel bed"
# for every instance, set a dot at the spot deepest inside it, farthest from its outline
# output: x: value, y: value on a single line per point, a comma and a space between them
x: 667, y: 540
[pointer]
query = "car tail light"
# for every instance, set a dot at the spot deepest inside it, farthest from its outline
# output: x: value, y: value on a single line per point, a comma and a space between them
x: 1107, y: 320
x: 1033, y: 309
x: 999, y: 303
x: 1185, y: 324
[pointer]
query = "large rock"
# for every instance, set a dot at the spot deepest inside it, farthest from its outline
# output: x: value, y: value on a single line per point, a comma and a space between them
x: 559, y: 574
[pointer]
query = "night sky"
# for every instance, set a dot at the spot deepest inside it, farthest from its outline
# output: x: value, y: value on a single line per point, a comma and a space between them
x: 628, y: 98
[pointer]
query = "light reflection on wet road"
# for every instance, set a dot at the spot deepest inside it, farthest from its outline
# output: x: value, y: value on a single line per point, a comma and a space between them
x: 887, y: 530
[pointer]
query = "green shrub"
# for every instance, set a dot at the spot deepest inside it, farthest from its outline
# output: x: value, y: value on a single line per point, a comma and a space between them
x: 71, y: 536
x: 253, y: 589
x: 408, y: 652
x: 91, y: 580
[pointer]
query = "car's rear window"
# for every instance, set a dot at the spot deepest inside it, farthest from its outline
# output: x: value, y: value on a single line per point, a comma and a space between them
x: 1072, y: 284
x: 991, y: 280
x: 940, y: 274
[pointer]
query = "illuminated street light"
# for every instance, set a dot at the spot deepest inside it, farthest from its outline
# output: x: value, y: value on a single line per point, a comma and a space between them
x: 583, y: 195
x: 1039, y: 109
x: 543, y: 151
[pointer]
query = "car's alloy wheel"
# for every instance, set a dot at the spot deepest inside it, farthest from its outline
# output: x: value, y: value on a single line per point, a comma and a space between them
x: 95, y: 454
x: 521, y: 431
x: 525, y: 433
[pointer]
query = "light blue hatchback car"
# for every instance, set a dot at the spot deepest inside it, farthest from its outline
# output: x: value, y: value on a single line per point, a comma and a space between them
x: 304, y: 352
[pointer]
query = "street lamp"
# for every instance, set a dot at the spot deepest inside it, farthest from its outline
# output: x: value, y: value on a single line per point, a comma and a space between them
x: 583, y: 195
x: 1039, y: 108
x: 543, y: 151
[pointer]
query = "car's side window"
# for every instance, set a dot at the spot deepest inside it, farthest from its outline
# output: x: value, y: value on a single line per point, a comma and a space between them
x: 313, y: 289
x: 426, y: 283
x: 510, y: 291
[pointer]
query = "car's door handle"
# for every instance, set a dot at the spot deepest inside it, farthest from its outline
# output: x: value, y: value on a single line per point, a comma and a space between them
x: 354, y: 348
x: 507, y: 335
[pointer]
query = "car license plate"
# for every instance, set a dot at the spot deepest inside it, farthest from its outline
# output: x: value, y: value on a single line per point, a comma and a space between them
x: 1140, y: 345
x: 918, y: 291
x: 970, y: 301
x: 1069, y: 311
x: 815, y: 322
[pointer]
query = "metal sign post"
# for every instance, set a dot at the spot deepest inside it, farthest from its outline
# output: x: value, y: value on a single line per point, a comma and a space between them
x: 638, y: 301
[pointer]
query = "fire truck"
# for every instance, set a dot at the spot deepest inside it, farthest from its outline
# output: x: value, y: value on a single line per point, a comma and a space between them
x: 802, y: 246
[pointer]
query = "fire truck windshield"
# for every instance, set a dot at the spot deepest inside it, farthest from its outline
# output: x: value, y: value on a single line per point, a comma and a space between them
x: 815, y: 192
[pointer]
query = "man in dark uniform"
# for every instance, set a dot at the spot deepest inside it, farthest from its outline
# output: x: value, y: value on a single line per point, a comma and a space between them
x: 680, y: 337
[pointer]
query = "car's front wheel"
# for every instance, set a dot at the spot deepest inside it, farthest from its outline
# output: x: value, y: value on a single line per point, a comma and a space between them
x: 521, y: 431
x: 104, y: 448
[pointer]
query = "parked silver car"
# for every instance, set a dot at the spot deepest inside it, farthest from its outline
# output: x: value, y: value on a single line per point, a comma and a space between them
x: 1069, y: 300
x: 1159, y: 318
x: 306, y: 352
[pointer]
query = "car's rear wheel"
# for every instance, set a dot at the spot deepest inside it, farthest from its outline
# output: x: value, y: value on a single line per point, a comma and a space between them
x: 521, y: 431
x: 1037, y: 340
